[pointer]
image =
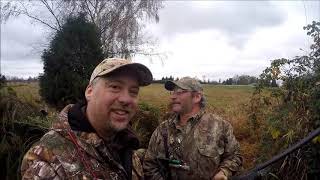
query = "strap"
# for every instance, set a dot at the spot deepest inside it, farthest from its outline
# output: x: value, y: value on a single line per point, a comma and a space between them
x: 127, y: 162
x: 81, y: 154
x: 164, y: 134
x: 165, y: 142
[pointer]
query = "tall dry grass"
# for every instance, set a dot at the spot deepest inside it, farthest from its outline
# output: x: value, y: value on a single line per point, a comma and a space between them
x: 230, y: 102
x: 21, y: 125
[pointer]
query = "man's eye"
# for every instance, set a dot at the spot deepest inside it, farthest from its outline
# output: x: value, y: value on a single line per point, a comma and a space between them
x: 114, y: 87
x: 134, y: 93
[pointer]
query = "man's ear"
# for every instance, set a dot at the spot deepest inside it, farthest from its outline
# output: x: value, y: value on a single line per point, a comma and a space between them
x: 197, y: 98
x: 89, y: 92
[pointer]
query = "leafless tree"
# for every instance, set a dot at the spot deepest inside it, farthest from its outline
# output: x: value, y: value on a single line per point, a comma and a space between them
x: 120, y: 22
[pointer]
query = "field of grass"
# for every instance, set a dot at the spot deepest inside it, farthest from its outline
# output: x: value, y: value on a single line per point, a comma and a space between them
x: 28, y: 92
x: 227, y: 101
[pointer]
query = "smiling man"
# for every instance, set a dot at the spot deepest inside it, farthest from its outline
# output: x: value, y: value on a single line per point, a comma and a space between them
x: 191, y: 144
x: 92, y: 140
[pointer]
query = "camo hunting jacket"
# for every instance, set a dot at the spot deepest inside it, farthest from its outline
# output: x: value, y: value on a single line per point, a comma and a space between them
x: 206, y: 145
x: 58, y: 156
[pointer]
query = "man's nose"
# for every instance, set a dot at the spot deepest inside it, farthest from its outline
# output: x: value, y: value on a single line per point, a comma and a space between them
x: 125, y: 98
x: 173, y: 96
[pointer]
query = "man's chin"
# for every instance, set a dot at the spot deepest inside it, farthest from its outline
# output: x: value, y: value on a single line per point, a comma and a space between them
x: 176, y: 110
x: 119, y: 126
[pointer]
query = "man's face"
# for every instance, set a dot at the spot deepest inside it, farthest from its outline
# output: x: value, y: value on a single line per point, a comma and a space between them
x: 112, y: 102
x: 181, y: 101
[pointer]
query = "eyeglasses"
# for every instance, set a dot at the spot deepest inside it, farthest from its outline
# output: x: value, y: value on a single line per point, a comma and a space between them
x: 178, y: 92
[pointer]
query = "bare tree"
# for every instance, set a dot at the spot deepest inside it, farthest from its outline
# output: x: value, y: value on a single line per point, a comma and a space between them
x: 120, y: 22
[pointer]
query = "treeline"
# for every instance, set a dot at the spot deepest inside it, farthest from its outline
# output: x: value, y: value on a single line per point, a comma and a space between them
x: 241, y: 80
x: 17, y: 79
x: 171, y: 78
x: 164, y: 79
x: 3, y: 80
x: 235, y: 80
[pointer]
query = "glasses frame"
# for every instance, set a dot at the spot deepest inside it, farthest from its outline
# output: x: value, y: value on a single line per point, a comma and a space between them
x: 179, y: 92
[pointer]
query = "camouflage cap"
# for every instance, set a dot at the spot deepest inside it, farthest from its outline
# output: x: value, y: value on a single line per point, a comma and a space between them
x: 111, y: 64
x: 185, y: 83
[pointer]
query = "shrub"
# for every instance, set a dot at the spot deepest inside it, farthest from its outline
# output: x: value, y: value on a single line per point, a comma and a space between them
x: 21, y: 125
x: 72, y: 55
x: 2, y: 81
x: 145, y: 122
x: 288, y: 113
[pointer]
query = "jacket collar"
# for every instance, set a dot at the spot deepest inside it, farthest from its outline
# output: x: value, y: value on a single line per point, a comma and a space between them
x: 91, y: 143
x: 192, y: 120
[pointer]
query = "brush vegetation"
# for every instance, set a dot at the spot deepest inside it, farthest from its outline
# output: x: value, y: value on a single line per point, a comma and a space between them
x: 266, y: 119
x: 25, y: 124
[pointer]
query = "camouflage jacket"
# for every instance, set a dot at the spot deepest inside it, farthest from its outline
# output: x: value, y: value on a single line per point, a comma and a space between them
x: 56, y: 156
x: 206, y: 144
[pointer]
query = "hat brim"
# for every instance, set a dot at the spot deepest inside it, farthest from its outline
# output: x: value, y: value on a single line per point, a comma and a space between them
x: 144, y: 74
x: 170, y: 85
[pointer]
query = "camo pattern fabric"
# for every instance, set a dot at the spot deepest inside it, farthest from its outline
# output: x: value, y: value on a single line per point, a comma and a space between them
x: 186, y: 83
x: 111, y: 64
x: 206, y: 144
x: 56, y: 156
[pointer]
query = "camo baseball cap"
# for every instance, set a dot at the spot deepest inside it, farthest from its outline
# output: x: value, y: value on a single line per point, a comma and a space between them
x: 185, y: 83
x: 112, y: 64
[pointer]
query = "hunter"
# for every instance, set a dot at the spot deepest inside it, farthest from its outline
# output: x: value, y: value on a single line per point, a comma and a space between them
x: 191, y: 144
x: 92, y: 140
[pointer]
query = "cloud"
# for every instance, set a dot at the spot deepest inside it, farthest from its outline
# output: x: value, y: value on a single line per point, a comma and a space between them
x: 24, y: 69
x: 20, y: 40
x: 236, y: 20
x: 216, y: 39
x: 222, y: 39
x: 21, y: 46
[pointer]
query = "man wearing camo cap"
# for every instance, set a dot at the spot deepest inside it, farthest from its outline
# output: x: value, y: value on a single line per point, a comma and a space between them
x: 92, y: 140
x: 191, y: 144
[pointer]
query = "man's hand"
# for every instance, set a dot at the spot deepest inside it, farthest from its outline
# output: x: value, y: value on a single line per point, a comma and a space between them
x: 220, y: 176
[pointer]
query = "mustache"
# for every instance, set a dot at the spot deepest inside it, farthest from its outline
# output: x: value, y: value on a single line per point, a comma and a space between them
x: 172, y: 103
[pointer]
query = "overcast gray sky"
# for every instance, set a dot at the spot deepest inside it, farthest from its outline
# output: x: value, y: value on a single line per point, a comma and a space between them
x: 211, y: 39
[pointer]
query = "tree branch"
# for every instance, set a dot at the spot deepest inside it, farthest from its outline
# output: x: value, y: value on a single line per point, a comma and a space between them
x: 35, y: 18
x: 90, y: 13
x: 25, y: 12
x: 51, y: 11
